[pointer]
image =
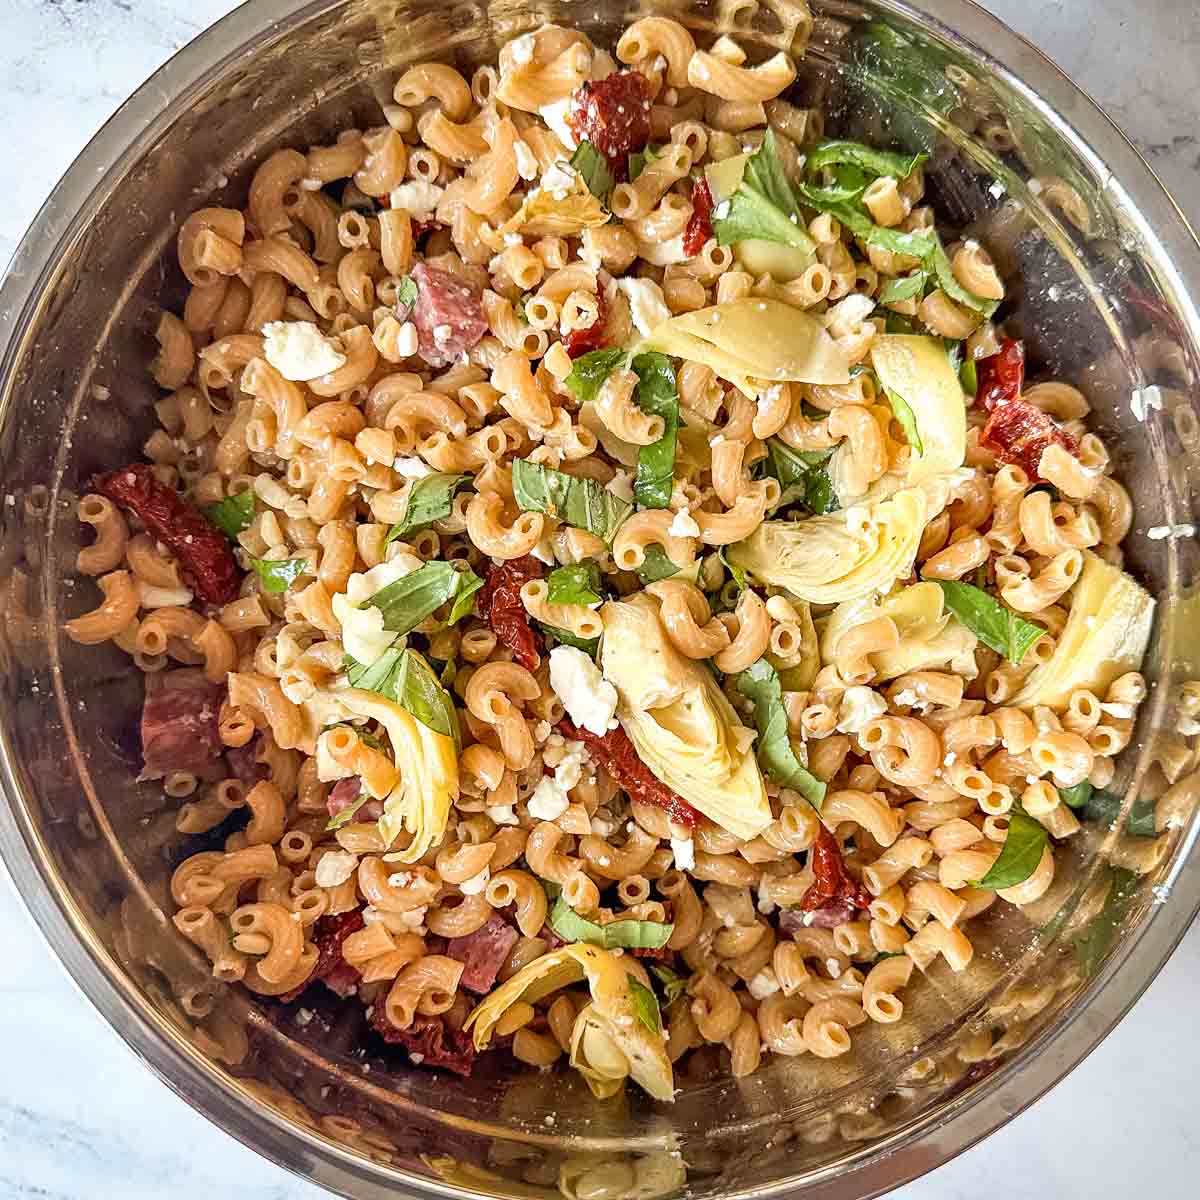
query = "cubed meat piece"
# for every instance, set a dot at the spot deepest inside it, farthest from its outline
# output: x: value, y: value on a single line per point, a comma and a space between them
x: 179, y: 723
x: 448, y: 316
x: 483, y: 953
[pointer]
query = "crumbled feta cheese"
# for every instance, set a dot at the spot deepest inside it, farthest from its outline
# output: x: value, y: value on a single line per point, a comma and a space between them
x: 476, y: 884
x: 997, y: 190
x: 590, y: 700
x: 549, y: 801
x: 527, y: 163
x: 363, y: 635
x: 299, y: 351
x: 569, y: 769
x: 442, y: 334
x: 763, y: 984
x: 621, y: 485
x: 1157, y: 533
x: 684, y: 851
x: 335, y: 867
x: 1123, y: 712
x: 555, y: 116
x: 683, y: 525
x: 716, y: 440
x: 418, y: 197
x: 308, y: 184
x: 406, y: 340
x: 163, y: 597
x: 559, y: 180
x: 859, y: 707
x: 647, y: 305
x: 400, y: 879
x: 847, y: 315
x: 411, y: 467
x: 502, y: 814
x: 1032, y: 779
x: 765, y: 904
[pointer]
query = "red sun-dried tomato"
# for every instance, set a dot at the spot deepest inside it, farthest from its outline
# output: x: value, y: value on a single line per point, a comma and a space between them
x: 498, y: 603
x: 699, y: 227
x: 1000, y: 376
x: 204, y: 554
x: 616, y: 754
x: 614, y: 115
x: 328, y: 935
x: 833, y: 883
x: 1017, y: 432
x: 430, y: 1042
x: 593, y: 337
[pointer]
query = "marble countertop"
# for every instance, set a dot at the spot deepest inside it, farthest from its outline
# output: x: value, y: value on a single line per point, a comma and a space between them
x: 81, y: 1118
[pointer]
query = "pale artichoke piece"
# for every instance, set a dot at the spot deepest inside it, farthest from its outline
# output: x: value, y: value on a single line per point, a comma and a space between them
x: 680, y: 721
x: 754, y: 339
x: 612, y: 1006
x: 545, y: 214
x: 596, y: 1055
x: 725, y: 177
x: 929, y: 638
x: 917, y: 369
x: 1105, y: 636
x: 761, y: 257
x: 428, y: 765
x: 843, y: 556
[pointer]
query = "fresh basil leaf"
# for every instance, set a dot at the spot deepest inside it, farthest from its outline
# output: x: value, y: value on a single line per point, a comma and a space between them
x: 658, y: 396
x: 896, y: 322
x: 674, y: 985
x: 763, y: 206
x: 968, y: 376
x: 645, y: 1005
x: 993, y: 623
x: 278, y: 574
x: 903, y: 287
x: 640, y: 159
x: 791, y: 466
x: 1077, y: 796
x: 589, y: 371
x: 738, y: 573
x: 656, y: 565
x: 232, y: 515
x: 940, y: 262
x: 408, y: 601
x: 464, y: 602
x: 405, y: 678
x: 1024, y: 845
x: 624, y: 935
x: 917, y: 243
x: 759, y: 683
x: 429, y: 499
x: 582, y: 503
x: 1092, y: 946
x: 906, y: 420
x: 588, y: 645
x: 1104, y: 808
x: 819, y: 496
x: 377, y: 676
x: 578, y: 583
x: 406, y: 292
x: 867, y: 158
x: 593, y: 170
x: 448, y: 674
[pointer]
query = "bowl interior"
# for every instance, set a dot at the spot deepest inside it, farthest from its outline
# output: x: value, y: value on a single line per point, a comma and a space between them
x: 1100, y: 303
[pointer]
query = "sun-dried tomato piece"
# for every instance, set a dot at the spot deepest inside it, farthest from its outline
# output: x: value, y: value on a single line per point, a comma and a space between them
x: 332, y: 969
x: 205, y: 557
x: 833, y: 884
x: 1000, y: 376
x: 430, y: 1042
x: 614, y: 115
x: 498, y: 603
x: 616, y: 754
x: 699, y: 227
x: 1017, y: 432
x: 593, y: 337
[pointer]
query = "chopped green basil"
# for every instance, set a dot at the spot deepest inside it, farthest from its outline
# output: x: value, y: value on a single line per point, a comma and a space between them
x: 738, y: 573
x: 1024, y: 845
x: 867, y: 158
x: 968, y: 376
x: 578, y: 583
x: 589, y: 371
x: 1077, y: 796
x: 624, y: 935
x: 593, y: 170
x: 656, y: 565
x: 406, y: 292
x: 906, y: 420
x: 656, y: 395
x: 950, y: 285
x: 645, y: 1005
x: 429, y: 499
x: 801, y: 474
x: 896, y: 322
x: 759, y: 683
x: 278, y: 574
x: 408, y: 601
x: 233, y: 514
x: 674, y: 985
x: 993, y: 623
x: 763, y: 205
x: 819, y: 496
x: 903, y: 287
x: 588, y: 645
x: 405, y: 678
x: 582, y: 503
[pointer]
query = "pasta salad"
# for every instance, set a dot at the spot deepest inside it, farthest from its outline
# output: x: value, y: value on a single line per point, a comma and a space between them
x: 604, y: 582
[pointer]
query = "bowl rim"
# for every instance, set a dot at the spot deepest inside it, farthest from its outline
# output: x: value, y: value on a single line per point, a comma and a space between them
x: 893, y: 1161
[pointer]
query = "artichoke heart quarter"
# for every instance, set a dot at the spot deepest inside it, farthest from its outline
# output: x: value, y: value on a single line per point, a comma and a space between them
x: 680, y: 722
x: 842, y: 556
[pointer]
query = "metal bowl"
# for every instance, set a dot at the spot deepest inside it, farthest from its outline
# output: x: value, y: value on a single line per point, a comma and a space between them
x: 1108, y: 274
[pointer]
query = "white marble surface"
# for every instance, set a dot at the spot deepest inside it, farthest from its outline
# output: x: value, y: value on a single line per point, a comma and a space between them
x: 81, y: 1118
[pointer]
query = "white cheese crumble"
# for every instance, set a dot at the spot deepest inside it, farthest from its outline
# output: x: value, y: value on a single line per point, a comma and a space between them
x: 411, y: 467
x: 502, y: 814
x: 684, y: 851
x: 555, y: 116
x: 859, y: 707
x: 590, y: 700
x: 569, y: 769
x: 527, y: 163
x: 406, y: 340
x: 647, y: 305
x: 721, y: 211
x: 764, y: 984
x: 559, y: 180
x: 476, y: 884
x: 299, y: 351
x: 363, y: 635
x: 1158, y: 533
x: 548, y: 801
x: 683, y: 525
x: 334, y: 868
x: 418, y: 197
x: 163, y: 597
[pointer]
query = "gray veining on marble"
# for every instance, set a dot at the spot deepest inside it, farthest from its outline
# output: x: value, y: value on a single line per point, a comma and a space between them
x: 82, y: 1119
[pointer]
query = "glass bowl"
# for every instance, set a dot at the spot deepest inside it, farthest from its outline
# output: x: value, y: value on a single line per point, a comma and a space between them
x: 1108, y: 274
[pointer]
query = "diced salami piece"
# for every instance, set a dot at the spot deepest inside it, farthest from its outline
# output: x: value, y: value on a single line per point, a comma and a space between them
x: 699, y: 227
x: 614, y: 115
x: 179, y: 722
x: 483, y: 953
x: 332, y: 969
x: 795, y: 920
x: 448, y: 316
x: 1018, y: 432
x: 244, y: 764
x: 345, y: 793
x: 430, y: 1042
